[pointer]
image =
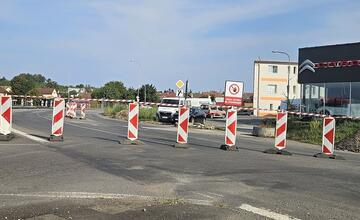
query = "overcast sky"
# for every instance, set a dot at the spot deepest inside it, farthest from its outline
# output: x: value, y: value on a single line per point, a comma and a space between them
x: 205, y: 41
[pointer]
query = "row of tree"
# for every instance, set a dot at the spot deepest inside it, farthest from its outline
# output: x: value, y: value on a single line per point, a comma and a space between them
x: 25, y: 83
x: 117, y: 90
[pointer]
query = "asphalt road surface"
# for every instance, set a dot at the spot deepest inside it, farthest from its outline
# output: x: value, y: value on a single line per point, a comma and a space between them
x: 91, y: 176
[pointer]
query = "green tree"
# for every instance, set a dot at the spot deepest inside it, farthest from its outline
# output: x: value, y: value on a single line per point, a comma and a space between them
x: 22, y: 84
x: 97, y: 93
x: 151, y: 93
x: 51, y: 84
x: 4, y: 82
x: 73, y: 93
x: 114, y: 90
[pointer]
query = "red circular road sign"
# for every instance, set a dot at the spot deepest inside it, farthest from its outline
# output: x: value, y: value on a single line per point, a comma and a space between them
x: 234, y: 89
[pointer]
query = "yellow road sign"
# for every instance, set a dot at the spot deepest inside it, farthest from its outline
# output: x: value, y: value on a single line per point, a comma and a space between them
x: 180, y: 84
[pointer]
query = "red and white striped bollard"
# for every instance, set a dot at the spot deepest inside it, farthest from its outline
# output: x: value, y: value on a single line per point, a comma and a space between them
x: 230, y: 130
x: 183, y: 127
x: 57, y: 127
x: 6, y: 118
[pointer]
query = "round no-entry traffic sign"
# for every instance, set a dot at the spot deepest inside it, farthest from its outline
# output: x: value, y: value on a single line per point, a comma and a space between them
x: 234, y: 89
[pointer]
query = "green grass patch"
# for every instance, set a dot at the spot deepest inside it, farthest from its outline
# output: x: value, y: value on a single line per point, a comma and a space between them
x: 311, y: 131
x: 147, y: 114
x: 113, y: 110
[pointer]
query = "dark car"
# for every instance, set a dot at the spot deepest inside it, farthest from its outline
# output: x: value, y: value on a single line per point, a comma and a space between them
x: 245, y: 112
x: 196, y: 115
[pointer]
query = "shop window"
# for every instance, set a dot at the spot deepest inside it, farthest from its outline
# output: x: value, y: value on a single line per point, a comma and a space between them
x: 271, y: 106
x: 337, y: 98
x: 355, y: 99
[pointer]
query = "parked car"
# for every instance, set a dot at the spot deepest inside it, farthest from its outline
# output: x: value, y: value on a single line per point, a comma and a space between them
x: 216, y: 112
x: 196, y: 115
x: 245, y: 112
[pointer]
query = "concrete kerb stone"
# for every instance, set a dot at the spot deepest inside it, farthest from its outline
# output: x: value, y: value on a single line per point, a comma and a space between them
x: 277, y: 151
x: 7, y: 137
x: 130, y: 142
x: 327, y: 156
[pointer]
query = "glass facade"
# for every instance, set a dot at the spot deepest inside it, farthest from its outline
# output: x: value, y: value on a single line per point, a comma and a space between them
x: 332, y: 98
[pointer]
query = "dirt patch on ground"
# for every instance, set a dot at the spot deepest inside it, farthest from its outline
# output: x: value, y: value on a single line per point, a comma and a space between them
x: 351, y: 143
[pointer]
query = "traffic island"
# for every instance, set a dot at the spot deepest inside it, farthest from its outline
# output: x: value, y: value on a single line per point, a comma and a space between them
x: 277, y: 151
x: 327, y: 156
x: 130, y: 142
x: 183, y: 146
x: 54, y: 138
x: 6, y: 137
x: 229, y: 148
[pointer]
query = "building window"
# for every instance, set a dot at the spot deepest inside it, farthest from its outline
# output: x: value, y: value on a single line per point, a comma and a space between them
x: 273, y: 69
x: 313, y: 88
x: 272, y: 89
x: 294, y: 90
x: 294, y: 69
x: 271, y: 106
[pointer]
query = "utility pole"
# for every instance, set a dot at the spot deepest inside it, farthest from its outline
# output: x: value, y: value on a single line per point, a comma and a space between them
x: 186, y: 88
x: 288, y: 79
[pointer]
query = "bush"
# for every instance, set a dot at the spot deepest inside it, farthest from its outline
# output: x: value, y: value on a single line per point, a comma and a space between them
x: 147, y: 114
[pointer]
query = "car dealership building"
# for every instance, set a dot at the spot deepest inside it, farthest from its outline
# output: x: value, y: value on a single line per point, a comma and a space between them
x: 330, y: 79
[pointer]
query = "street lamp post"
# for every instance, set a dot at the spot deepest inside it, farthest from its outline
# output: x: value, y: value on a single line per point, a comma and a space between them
x: 288, y: 78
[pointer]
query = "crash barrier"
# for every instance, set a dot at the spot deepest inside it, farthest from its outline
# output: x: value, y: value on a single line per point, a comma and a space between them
x: 183, y: 127
x: 57, y: 127
x: 230, y: 130
x: 6, y: 118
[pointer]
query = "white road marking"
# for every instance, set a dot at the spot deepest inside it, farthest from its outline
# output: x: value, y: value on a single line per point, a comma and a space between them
x: 89, y: 195
x: 204, y: 195
x: 265, y: 213
x: 31, y: 137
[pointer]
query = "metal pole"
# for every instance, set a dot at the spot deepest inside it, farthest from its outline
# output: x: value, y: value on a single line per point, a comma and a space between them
x: 288, y: 79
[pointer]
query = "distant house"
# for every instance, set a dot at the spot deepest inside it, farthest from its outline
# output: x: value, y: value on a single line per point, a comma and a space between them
x: 7, y: 88
x: 77, y: 91
x: 47, y: 93
x: 4, y: 91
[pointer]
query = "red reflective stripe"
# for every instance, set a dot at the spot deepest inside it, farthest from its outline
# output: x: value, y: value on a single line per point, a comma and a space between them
x: 184, y: 125
x: 281, y: 129
x: 330, y: 136
x: 132, y: 106
x: 180, y: 138
x: 4, y: 99
x: 230, y: 113
x: 57, y: 102
x: 134, y: 121
x: 281, y: 144
x: 58, y: 116
x: 231, y: 127
x: 58, y: 131
x: 328, y: 120
x: 131, y: 135
x: 325, y: 150
x: 228, y: 141
x: 7, y: 115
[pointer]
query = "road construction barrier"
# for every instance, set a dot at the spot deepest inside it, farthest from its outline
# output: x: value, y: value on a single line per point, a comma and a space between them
x: 183, y: 125
x: 82, y: 111
x: 6, y: 118
x: 133, y: 121
x: 71, y: 109
x: 281, y: 129
x: 57, y: 127
x: 328, y: 139
x: 230, y: 130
